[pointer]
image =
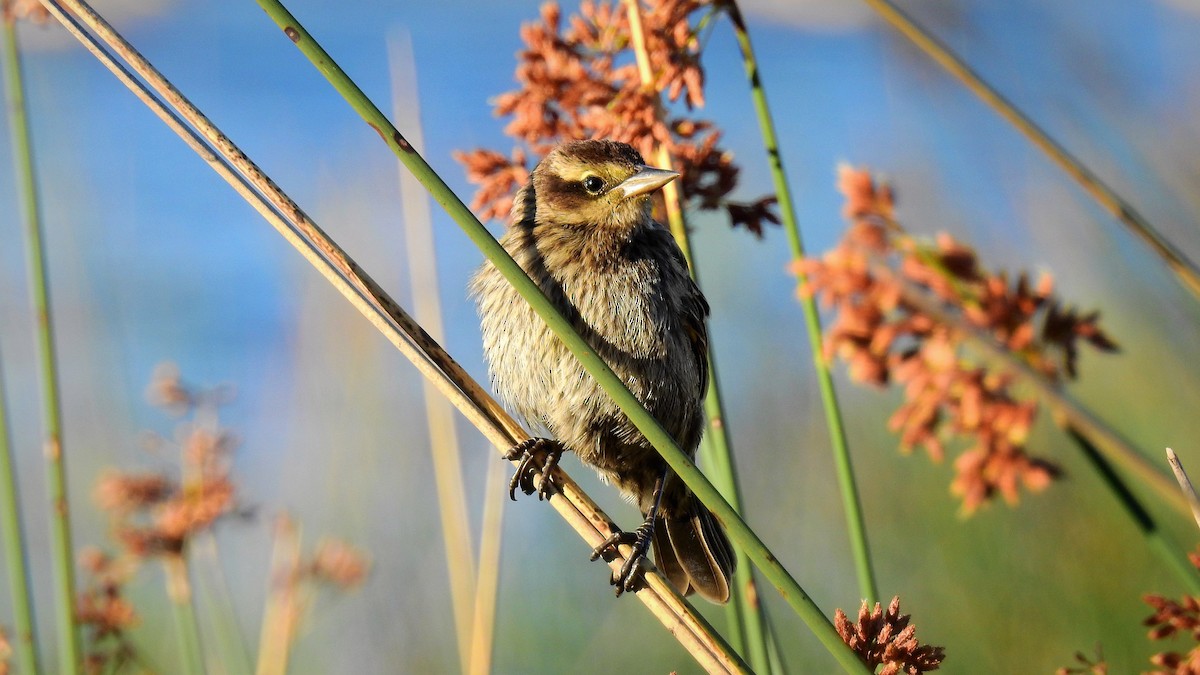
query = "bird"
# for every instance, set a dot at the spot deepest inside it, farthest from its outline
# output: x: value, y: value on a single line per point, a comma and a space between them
x: 582, y: 229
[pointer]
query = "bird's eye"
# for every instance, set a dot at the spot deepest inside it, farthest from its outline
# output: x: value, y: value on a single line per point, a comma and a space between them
x: 593, y: 184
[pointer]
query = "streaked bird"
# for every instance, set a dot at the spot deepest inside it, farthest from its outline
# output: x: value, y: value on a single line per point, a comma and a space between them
x: 582, y: 230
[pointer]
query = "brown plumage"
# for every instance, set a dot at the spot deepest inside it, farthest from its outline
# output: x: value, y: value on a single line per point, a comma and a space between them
x: 582, y: 230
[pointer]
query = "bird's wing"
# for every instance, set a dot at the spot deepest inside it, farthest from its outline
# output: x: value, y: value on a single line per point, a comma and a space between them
x: 695, y: 314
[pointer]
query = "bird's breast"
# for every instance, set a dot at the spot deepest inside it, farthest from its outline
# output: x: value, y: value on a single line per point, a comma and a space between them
x: 627, y: 307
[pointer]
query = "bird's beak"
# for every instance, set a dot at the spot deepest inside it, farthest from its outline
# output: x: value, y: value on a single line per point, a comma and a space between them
x: 646, y: 180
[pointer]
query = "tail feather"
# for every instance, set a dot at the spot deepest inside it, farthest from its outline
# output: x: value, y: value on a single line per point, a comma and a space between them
x: 694, y: 553
x: 666, y: 560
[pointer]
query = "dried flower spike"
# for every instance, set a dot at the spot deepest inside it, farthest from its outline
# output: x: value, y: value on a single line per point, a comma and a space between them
x: 885, y: 339
x: 103, y: 611
x: 340, y: 564
x: 153, y: 514
x: 1172, y: 619
x: 6, y: 652
x: 167, y: 390
x: 579, y: 81
x: 28, y: 10
x: 888, y: 639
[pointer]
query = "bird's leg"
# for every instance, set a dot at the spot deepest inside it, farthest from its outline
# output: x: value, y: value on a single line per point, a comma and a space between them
x: 626, y: 579
x: 526, y: 451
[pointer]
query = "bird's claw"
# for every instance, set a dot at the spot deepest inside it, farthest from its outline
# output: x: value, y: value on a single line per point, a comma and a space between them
x: 629, y: 576
x: 527, y: 470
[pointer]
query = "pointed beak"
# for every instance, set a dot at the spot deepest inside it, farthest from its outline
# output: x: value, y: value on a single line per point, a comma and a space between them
x: 646, y: 180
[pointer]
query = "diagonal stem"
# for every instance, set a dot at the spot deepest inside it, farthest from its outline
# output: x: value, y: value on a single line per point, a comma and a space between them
x: 1145, y: 522
x: 1185, y: 483
x: 1184, y: 269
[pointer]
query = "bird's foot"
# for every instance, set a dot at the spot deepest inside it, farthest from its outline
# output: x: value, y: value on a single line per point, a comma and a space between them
x: 527, y: 452
x: 630, y: 574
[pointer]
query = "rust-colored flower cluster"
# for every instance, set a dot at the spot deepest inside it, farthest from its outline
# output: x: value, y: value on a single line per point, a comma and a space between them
x: 581, y: 81
x: 156, y: 514
x: 103, y: 611
x: 30, y: 10
x: 887, y: 639
x: 1173, y: 619
x: 294, y: 578
x: 338, y: 563
x: 6, y: 652
x: 498, y: 177
x: 883, y: 337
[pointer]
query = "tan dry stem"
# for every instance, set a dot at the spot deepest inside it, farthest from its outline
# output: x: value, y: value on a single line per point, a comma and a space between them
x: 487, y: 584
x: 443, y: 439
x: 1185, y: 483
x: 179, y: 589
x: 280, y: 616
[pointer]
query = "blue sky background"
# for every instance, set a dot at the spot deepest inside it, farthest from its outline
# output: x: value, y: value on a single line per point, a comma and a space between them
x: 153, y: 258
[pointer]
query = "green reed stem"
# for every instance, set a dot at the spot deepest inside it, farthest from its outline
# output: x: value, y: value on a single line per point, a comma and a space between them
x: 183, y: 607
x: 851, y: 502
x: 63, y: 559
x: 1145, y: 522
x: 735, y: 628
x: 748, y: 613
x: 1185, y: 270
x: 11, y: 533
x: 645, y: 422
x: 218, y: 610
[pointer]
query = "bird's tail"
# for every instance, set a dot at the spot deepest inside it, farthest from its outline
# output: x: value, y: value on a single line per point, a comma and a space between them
x: 694, y: 553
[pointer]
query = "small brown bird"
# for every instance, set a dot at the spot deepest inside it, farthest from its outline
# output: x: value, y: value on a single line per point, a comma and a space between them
x: 582, y: 231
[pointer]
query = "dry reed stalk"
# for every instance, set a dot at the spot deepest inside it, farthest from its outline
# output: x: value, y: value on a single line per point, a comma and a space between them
x: 1185, y: 483
x: 179, y: 591
x: 483, y: 628
x: 443, y: 440
x: 280, y: 614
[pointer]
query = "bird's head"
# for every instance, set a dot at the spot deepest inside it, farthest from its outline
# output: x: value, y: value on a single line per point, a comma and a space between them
x: 595, y: 184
